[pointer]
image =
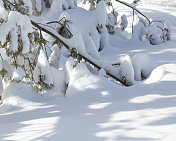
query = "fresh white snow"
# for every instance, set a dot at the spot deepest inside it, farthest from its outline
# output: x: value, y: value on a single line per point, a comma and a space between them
x: 142, y: 63
x: 94, y: 108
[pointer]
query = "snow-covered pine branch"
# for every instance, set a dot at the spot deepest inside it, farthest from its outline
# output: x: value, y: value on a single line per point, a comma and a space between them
x: 82, y: 32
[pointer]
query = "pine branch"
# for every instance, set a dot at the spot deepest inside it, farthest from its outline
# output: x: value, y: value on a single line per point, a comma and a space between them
x: 55, y: 35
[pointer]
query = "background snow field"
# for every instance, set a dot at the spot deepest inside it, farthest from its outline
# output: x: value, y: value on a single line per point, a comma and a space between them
x: 95, y: 108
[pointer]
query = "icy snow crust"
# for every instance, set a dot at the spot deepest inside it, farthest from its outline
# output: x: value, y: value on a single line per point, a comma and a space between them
x: 94, y: 108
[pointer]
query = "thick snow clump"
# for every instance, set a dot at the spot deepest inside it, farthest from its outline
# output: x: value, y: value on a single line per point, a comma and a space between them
x: 55, y: 56
x: 126, y: 71
x: 143, y: 66
x: 88, y: 28
x: 58, y: 6
x: 16, y: 24
x: 43, y: 69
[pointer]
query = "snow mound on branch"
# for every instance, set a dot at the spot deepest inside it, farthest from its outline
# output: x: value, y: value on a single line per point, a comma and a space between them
x: 28, y: 4
x: 38, y: 5
x: 89, y: 27
x: 153, y: 34
x: 69, y: 68
x: 18, y: 74
x: 126, y: 71
x: 101, y: 13
x: 3, y: 12
x: 7, y: 68
x: 42, y: 68
x: 139, y: 32
x: 55, y: 56
x: 17, y: 24
x: 143, y: 66
x: 58, y: 6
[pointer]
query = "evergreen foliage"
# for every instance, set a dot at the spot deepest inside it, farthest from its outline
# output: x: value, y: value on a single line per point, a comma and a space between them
x: 26, y: 57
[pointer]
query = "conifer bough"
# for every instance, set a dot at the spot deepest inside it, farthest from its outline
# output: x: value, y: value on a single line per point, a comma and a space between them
x: 79, y: 55
x: 56, y: 36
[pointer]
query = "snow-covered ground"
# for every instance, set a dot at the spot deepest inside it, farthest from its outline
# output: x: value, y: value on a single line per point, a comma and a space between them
x: 96, y: 109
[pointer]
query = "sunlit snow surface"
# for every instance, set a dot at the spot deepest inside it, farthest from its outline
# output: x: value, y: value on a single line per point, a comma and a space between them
x: 96, y: 109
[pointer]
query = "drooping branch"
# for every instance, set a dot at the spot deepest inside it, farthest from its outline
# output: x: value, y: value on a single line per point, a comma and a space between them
x: 62, y: 40
x: 132, y: 7
x: 108, y: 72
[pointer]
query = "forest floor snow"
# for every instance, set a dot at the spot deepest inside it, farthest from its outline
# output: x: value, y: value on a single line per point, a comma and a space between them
x: 96, y: 109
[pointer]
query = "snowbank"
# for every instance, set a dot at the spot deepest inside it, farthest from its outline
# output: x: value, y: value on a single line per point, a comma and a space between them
x: 162, y: 73
x: 19, y: 95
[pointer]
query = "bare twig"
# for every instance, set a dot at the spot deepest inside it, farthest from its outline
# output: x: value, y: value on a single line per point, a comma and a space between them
x: 63, y: 25
x: 133, y: 22
x: 59, y: 22
x: 46, y: 25
x: 132, y: 7
x: 117, y: 64
x: 1, y: 57
x: 160, y: 28
x: 56, y: 21
x: 157, y: 21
